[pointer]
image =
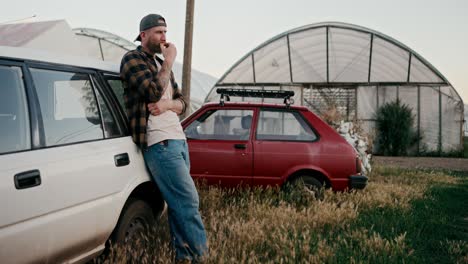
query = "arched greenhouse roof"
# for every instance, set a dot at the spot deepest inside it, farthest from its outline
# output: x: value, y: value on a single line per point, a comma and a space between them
x: 104, y: 35
x: 332, y: 53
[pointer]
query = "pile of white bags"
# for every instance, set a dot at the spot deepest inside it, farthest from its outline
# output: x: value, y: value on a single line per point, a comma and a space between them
x: 359, y: 142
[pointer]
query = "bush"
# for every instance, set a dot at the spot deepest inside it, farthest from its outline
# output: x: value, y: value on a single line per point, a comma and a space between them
x: 395, y: 129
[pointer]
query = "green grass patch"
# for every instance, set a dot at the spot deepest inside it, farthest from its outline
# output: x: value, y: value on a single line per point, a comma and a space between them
x: 434, y: 227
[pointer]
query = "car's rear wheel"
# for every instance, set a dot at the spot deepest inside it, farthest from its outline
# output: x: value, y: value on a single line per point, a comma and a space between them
x: 136, y: 219
x: 310, y: 185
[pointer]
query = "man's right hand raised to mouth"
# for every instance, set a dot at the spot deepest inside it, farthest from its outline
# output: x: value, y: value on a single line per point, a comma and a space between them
x: 168, y: 51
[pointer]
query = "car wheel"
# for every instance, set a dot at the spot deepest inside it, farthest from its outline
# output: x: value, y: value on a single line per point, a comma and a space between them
x: 136, y: 219
x: 310, y: 186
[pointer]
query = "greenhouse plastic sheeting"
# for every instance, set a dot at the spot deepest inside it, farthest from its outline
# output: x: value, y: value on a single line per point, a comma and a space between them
x: 408, y: 95
x: 366, y: 102
x: 421, y: 73
x: 349, y: 55
x: 386, y: 94
x: 90, y: 46
x: 429, y: 115
x: 346, y: 56
x: 452, y: 94
x: 451, y: 120
x: 242, y: 73
x: 389, y: 62
x: 309, y: 55
x: 105, y: 51
x: 271, y: 63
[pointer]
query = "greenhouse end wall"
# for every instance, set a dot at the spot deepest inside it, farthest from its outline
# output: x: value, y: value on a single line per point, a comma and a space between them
x: 438, y: 117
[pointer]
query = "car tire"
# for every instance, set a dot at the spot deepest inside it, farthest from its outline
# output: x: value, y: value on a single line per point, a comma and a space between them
x: 311, y: 185
x: 135, y: 220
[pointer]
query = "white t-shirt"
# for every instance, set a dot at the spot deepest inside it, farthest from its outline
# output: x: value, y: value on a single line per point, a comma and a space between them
x: 166, y: 125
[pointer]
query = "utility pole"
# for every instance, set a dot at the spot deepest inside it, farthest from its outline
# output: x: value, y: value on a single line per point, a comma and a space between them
x: 187, y: 64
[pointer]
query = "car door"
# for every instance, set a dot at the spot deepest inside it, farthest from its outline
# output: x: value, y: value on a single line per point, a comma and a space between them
x: 58, y: 183
x: 284, y: 142
x: 220, y: 146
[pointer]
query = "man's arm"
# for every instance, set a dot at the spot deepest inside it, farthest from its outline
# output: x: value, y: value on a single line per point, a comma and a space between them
x: 164, y: 105
x: 177, y: 104
x: 164, y: 74
x: 139, y: 77
x: 169, y: 53
x: 179, y: 97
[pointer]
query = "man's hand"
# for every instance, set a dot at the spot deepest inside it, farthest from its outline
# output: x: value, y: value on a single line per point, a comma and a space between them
x: 164, y: 105
x: 168, y: 51
x: 160, y: 107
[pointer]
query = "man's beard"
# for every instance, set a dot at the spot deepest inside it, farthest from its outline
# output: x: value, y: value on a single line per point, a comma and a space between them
x: 155, y: 48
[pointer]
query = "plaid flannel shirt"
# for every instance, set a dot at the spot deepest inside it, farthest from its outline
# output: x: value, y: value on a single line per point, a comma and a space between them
x: 138, y: 72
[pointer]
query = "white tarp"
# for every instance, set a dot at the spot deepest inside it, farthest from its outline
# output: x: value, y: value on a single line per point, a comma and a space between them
x: 55, y: 36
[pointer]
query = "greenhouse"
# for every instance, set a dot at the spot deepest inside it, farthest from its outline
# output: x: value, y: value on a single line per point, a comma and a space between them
x: 356, y: 70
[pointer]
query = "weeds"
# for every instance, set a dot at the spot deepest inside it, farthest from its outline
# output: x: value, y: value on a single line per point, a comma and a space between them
x: 391, y: 221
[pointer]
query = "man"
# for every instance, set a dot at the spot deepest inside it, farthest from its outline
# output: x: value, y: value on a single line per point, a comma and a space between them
x: 153, y: 103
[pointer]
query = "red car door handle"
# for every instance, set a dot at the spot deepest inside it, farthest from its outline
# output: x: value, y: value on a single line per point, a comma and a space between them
x: 240, y: 146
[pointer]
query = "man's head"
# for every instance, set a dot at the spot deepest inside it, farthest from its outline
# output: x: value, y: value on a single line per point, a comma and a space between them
x: 152, y: 32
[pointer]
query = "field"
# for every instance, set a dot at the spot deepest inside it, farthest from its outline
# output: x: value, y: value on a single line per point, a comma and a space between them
x: 404, y: 215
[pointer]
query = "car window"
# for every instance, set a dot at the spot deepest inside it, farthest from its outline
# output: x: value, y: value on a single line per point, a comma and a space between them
x: 14, y: 119
x: 68, y: 106
x: 281, y: 125
x: 117, y: 87
x: 221, y: 125
x: 111, y: 129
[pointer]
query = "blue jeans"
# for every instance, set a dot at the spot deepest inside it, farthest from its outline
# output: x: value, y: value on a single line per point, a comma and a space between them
x: 170, y: 168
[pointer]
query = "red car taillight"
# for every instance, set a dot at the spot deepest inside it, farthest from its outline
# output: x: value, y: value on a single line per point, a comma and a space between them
x: 358, y: 165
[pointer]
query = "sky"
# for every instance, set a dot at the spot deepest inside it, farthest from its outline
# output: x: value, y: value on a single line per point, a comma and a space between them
x: 224, y: 31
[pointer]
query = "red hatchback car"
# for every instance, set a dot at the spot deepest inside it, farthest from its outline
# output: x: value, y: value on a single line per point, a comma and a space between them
x: 241, y: 143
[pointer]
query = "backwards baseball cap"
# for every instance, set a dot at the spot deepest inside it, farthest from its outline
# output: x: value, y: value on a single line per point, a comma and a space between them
x: 149, y: 21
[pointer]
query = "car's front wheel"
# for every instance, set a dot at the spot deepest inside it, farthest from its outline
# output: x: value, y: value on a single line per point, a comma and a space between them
x: 136, y: 219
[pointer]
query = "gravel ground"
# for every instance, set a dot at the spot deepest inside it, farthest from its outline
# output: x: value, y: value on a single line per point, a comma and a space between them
x: 456, y: 164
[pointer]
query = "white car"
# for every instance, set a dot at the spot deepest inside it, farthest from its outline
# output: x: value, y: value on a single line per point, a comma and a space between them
x: 71, y: 177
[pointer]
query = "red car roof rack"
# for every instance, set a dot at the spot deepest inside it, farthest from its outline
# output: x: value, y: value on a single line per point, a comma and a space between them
x: 227, y: 92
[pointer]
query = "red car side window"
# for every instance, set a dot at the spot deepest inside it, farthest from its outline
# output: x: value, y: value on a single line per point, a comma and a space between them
x: 223, y: 124
x: 282, y: 125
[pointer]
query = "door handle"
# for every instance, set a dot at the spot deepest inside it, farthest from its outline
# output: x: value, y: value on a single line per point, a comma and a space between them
x: 240, y: 146
x: 121, y: 160
x: 27, y: 179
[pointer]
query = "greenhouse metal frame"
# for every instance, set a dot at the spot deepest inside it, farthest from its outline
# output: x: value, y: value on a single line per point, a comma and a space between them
x: 357, y: 69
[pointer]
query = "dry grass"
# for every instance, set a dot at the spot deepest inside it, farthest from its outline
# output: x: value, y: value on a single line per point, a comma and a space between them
x: 273, y: 226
